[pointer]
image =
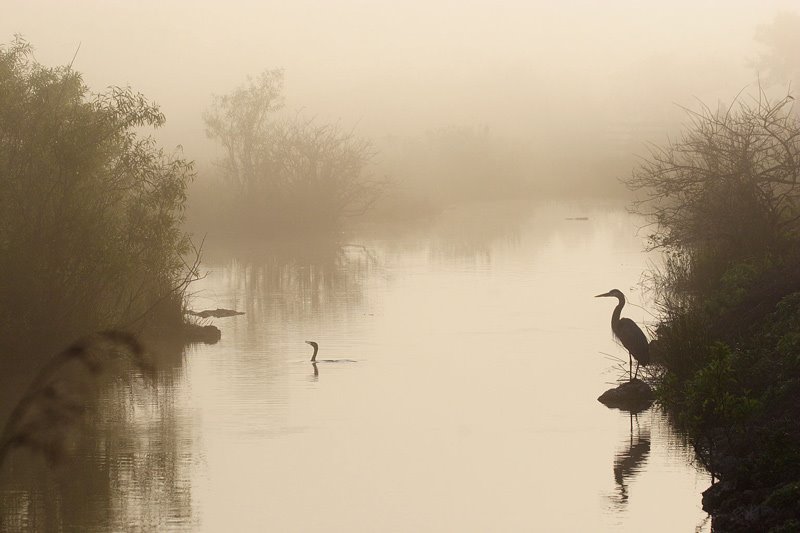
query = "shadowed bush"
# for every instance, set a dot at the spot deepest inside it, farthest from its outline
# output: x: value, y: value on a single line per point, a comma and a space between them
x: 725, y: 201
x: 285, y: 175
x: 89, y: 209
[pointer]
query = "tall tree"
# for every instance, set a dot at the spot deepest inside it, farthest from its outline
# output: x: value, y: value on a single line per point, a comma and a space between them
x: 288, y: 172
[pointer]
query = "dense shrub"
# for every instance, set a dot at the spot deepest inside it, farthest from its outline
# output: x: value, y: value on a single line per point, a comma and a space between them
x: 729, y: 186
x: 90, y: 210
x: 725, y: 203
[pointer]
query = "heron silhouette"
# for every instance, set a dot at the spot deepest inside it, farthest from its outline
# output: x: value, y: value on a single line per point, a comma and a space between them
x: 629, y: 334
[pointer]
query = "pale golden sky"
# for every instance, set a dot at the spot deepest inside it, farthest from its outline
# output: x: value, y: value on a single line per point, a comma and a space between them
x: 523, y: 68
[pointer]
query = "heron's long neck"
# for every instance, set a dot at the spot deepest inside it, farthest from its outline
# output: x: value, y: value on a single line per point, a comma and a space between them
x: 314, y: 357
x: 617, y: 311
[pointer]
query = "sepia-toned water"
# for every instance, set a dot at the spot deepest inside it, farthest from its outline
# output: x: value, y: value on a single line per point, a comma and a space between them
x: 460, y: 362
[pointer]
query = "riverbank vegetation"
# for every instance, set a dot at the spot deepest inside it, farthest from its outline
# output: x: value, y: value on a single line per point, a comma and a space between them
x: 90, y: 212
x: 725, y: 203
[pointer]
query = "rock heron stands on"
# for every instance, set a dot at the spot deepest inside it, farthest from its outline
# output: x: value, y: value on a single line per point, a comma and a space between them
x: 628, y: 333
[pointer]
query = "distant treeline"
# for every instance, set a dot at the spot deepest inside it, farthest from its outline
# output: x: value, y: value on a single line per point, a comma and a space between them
x: 282, y: 173
x: 90, y: 211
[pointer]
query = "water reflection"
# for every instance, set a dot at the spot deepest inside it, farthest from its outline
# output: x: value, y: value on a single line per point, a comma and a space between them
x: 132, y: 455
x: 630, y: 460
x: 454, y: 418
x: 470, y: 235
x: 294, y: 280
x: 50, y: 418
x: 463, y: 235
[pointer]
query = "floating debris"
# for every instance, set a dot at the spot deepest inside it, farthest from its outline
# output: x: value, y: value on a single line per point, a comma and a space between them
x: 215, y: 313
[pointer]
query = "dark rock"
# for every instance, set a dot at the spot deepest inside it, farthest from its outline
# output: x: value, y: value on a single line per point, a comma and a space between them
x: 198, y: 333
x: 634, y: 395
x: 715, y: 496
x: 215, y: 313
x: 743, y: 510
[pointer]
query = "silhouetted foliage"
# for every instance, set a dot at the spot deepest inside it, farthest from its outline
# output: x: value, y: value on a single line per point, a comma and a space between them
x: 730, y: 184
x: 90, y: 210
x: 288, y: 173
x: 725, y: 202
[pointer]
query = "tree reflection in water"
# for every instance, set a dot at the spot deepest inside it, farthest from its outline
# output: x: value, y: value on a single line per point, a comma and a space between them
x: 125, y: 455
x: 132, y: 463
x: 291, y: 281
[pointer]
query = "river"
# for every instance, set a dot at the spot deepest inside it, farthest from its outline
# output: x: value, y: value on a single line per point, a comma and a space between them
x: 461, y: 360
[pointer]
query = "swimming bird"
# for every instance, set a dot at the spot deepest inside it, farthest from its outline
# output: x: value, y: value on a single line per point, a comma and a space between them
x: 628, y: 333
x: 316, y: 349
x: 314, y: 356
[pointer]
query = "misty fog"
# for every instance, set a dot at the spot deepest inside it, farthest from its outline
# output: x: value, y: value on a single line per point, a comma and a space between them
x: 580, y: 86
x: 430, y: 194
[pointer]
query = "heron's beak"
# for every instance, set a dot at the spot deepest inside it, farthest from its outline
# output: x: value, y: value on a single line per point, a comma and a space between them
x: 307, y: 342
x: 604, y: 294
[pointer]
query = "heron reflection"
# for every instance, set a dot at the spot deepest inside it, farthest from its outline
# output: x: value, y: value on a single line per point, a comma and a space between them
x: 631, y: 459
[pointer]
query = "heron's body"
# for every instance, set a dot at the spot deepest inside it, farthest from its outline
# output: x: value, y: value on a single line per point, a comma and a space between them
x: 628, y: 333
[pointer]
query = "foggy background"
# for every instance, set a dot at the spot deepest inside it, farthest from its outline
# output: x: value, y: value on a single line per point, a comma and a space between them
x: 575, y: 88
x: 487, y: 142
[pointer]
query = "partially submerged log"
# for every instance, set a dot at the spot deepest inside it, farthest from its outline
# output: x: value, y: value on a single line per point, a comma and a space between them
x: 215, y: 313
x: 634, y: 395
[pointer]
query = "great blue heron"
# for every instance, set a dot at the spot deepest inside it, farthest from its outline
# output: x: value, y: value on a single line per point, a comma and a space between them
x: 629, y: 334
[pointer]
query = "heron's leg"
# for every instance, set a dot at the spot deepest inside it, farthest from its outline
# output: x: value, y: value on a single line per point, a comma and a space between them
x: 630, y: 365
x: 637, y: 370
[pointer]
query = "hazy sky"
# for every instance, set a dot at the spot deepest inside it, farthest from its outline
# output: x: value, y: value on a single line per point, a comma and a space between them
x: 530, y: 69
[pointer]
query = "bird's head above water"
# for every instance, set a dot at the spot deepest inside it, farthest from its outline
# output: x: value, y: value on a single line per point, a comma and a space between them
x: 316, y: 347
x: 615, y: 293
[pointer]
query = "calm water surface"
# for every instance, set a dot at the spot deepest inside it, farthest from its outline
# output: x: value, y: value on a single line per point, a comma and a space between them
x: 478, y: 354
